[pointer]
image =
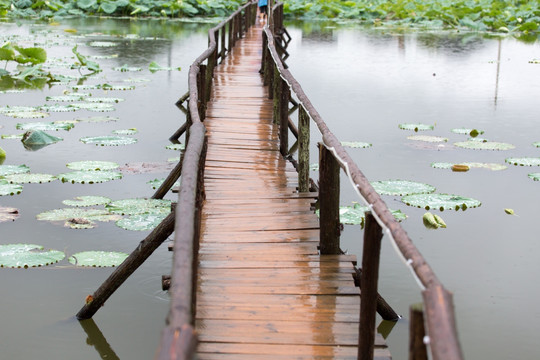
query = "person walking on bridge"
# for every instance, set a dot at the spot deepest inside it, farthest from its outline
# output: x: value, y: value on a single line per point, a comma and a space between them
x: 263, y: 10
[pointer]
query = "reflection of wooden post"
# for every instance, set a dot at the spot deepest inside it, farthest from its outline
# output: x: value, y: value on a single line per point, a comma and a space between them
x: 370, y: 277
x: 329, y: 202
x: 97, y: 340
x: 417, y: 348
x: 303, y: 149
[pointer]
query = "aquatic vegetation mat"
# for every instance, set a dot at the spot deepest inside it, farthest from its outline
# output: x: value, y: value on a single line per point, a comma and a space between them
x: 468, y: 131
x: 440, y: 201
x: 401, y: 187
x: 27, y: 255
x: 156, y: 183
x: 98, y: 258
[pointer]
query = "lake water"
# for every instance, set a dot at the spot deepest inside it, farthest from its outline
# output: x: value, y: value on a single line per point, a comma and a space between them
x: 364, y: 83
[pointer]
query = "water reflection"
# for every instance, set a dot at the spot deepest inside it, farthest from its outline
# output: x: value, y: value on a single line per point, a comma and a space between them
x: 97, y: 340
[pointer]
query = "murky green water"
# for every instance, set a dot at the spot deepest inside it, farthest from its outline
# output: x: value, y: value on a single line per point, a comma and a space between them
x: 364, y: 83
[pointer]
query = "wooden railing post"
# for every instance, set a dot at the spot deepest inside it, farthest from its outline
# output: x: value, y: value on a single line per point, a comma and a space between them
x: 201, y: 87
x: 276, y: 94
x: 303, y: 149
x: 417, y: 348
x: 370, y: 276
x: 223, y: 48
x: 284, y: 117
x: 329, y: 202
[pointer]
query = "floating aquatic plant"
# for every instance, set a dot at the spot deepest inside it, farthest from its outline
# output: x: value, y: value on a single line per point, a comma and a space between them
x: 433, y: 221
x: 107, y: 100
x: 28, y: 178
x: 131, y: 131
x: 108, y: 140
x: 102, y: 44
x: 9, y: 189
x: 92, y: 165
x: 488, y: 166
x: 127, y: 68
x: 8, y: 214
x: 488, y: 145
x: 97, y: 107
x: 534, y: 176
x: 34, y: 114
x: 355, y: 215
x: 146, y: 167
x: 468, y: 131
x: 117, y: 87
x: 153, y: 67
x: 401, y: 187
x: 67, y: 98
x: 45, y: 126
x: 536, y: 144
x: 139, y: 206
x: 355, y: 144
x: 427, y: 138
x: 141, y: 222
x: 416, y: 127
x: 89, y: 177
x: 13, y: 169
x: 27, y: 255
x: 78, y: 218
x: 59, y: 108
x: 440, y: 201
x: 98, y: 119
x: 524, y: 161
x: 176, y: 147
x: 81, y: 201
x: 37, y: 139
x: 98, y: 258
x: 157, y: 183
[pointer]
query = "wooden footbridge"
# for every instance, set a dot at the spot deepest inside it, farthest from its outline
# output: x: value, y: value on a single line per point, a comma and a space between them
x: 256, y: 273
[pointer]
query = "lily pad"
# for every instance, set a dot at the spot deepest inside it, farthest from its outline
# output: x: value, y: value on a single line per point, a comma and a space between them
x: 117, y: 87
x: 536, y: 144
x: 77, y: 217
x: 96, y: 107
x: 81, y: 201
x: 427, y: 138
x: 125, y: 132
x: 440, y: 201
x: 98, y: 258
x: 176, y: 147
x: 525, y: 161
x: 356, y: 144
x: 127, y: 68
x: 107, y: 100
x: 27, y: 255
x: 13, y: 169
x: 108, y: 140
x: 89, y: 177
x: 468, y: 131
x: 45, y: 126
x: 139, y: 206
x: 488, y: 166
x: 67, y: 98
x: 153, y: 67
x: 98, y: 119
x: 29, y: 178
x: 401, y: 187
x: 93, y: 165
x: 59, y: 108
x: 27, y: 114
x: 416, y: 127
x: 355, y: 215
x: 9, y: 189
x: 534, y: 176
x: 157, y: 183
x: 488, y: 145
x: 8, y: 214
x: 141, y: 222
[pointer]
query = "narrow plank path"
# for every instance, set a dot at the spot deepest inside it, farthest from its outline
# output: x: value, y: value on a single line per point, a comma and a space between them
x: 263, y: 290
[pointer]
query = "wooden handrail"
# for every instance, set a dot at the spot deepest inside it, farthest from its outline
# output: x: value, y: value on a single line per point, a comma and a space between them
x: 178, y: 338
x: 440, y: 320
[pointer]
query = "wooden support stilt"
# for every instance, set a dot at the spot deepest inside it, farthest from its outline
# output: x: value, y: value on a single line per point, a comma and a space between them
x: 181, y: 130
x: 329, y: 202
x: 169, y: 181
x: 417, y: 348
x: 383, y: 308
x: 132, y: 263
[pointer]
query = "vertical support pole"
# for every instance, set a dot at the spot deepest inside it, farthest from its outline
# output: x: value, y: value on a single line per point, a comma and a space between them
x: 263, y: 70
x: 417, y: 331
x: 370, y: 276
x: 303, y: 149
x: 230, y: 26
x: 285, y: 94
x: 276, y: 93
x: 222, y: 54
x: 201, y: 87
x: 189, y: 122
x: 329, y: 202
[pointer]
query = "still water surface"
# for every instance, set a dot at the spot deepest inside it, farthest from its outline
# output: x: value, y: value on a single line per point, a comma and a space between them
x: 364, y: 83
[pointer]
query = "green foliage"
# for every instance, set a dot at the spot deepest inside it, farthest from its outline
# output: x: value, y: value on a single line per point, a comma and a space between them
x: 27, y: 255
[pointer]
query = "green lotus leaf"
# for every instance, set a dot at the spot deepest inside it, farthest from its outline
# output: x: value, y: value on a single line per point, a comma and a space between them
x: 8, y: 214
x: 89, y: 177
x: 176, y: 147
x: 29, y: 178
x: 45, y: 126
x: 141, y: 222
x: 27, y: 114
x: 117, y: 87
x: 98, y: 258
x: 9, y: 189
x: 12, y: 137
x: 74, y: 217
x: 401, y: 187
x: 534, y: 176
x: 97, y: 107
x: 132, y: 131
x: 81, y: 201
x: 153, y: 67
x: 157, y: 183
x: 59, y: 108
x: 440, y: 201
x: 86, y: 87
x: 27, y: 255
x: 98, y: 119
x: 536, y: 144
x: 427, y: 138
x: 108, y: 140
x: 13, y: 109
x: 525, y: 161
x: 489, y: 145
x: 139, y: 206
x: 106, y: 100
x: 92, y: 165
x: 356, y: 144
x: 314, y: 167
x: 36, y: 139
x: 488, y: 166
x: 34, y: 55
x: 137, y: 80
x: 67, y: 98
x: 467, y: 131
x: 79, y: 223
x: 102, y: 44
x: 13, y: 169
x: 127, y: 68
x: 416, y: 127
x: 354, y: 215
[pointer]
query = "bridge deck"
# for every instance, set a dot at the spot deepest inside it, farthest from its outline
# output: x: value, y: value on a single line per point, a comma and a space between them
x: 264, y: 292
